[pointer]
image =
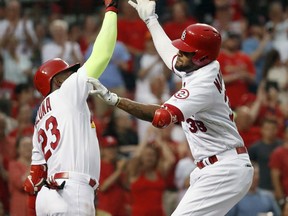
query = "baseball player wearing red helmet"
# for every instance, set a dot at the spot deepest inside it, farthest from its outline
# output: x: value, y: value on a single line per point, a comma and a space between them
x: 65, y: 155
x: 224, y: 171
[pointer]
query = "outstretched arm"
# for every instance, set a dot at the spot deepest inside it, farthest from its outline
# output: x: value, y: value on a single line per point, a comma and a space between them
x: 162, y: 42
x: 105, y: 42
x: 139, y: 110
x: 160, y: 116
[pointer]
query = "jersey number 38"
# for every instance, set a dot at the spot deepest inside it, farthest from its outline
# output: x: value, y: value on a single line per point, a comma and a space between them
x: 195, y: 125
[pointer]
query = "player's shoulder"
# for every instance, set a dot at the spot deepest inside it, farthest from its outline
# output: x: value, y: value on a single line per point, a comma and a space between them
x: 208, y: 72
x: 213, y: 67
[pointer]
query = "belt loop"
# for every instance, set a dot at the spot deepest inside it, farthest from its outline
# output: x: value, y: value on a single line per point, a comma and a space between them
x: 206, y: 161
x: 212, y: 159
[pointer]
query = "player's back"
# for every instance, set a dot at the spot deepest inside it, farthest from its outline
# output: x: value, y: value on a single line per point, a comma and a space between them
x: 65, y: 133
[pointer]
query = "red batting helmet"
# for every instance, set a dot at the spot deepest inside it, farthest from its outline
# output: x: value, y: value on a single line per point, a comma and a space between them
x: 202, y: 39
x: 45, y: 73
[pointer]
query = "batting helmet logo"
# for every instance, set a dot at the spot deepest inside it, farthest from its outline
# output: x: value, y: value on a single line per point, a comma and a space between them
x: 44, y: 75
x: 183, y: 35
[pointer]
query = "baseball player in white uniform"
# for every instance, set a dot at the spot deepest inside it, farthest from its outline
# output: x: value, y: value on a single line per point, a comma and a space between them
x: 65, y: 147
x: 224, y: 171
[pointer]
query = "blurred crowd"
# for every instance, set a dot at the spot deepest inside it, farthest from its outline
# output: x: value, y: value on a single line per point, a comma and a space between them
x: 144, y: 170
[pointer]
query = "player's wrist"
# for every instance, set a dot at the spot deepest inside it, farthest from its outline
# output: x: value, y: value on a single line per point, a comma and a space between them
x: 111, y: 5
x: 112, y: 8
x: 110, y: 98
x: 151, y: 19
x: 117, y: 102
x: 114, y: 99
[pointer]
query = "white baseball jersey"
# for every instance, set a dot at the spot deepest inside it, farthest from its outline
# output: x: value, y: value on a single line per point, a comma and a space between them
x: 202, y: 107
x: 64, y: 134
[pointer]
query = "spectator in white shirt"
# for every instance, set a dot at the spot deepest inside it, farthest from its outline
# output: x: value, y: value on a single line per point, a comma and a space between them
x: 60, y: 46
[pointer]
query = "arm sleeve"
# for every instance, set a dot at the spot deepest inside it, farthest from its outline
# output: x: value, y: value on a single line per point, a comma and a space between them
x: 162, y: 42
x: 103, y: 46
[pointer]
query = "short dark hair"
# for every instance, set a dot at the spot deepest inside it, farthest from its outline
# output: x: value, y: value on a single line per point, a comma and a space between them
x: 269, y: 120
x: 271, y: 84
x: 21, y: 87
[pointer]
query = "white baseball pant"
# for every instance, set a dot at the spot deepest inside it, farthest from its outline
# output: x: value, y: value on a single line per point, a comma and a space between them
x: 216, y: 188
x: 76, y: 198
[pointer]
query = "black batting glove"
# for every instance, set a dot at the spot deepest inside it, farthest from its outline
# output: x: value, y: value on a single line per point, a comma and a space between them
x: 54, y: 185
x: 111, y: 5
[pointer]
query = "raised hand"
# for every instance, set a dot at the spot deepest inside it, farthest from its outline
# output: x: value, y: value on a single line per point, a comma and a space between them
x: 111, y: 5
x: 145, y: 8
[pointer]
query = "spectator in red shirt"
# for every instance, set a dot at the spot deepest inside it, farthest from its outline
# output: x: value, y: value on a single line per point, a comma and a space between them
x: 237, y: 68
x: 7, y: 153
x: 271, y: 107
x: 279, y: 169
x: 18, y: 171
x: 249, y: 133
x: 179, y: 20
x: 24, y: 122
x: 132, y: 30
x: 4, y: 192
x: 146, y: 173
x: 171, y: 191
x: 111, y: 195
x: 247, y: 114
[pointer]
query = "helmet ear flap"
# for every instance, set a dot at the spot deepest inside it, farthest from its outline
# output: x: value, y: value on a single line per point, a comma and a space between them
x: 200, y: 58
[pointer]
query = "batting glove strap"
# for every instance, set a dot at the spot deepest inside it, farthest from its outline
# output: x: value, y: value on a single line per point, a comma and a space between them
x: 112, y: 8
x: 110, y: 98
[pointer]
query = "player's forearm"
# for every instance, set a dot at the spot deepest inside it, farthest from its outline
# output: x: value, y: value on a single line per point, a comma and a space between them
x: 162, y: 42
x: 139, y: 110
x: 103, y: 46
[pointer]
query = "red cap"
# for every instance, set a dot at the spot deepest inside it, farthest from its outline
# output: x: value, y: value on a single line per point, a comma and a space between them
x: 108, y: 141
